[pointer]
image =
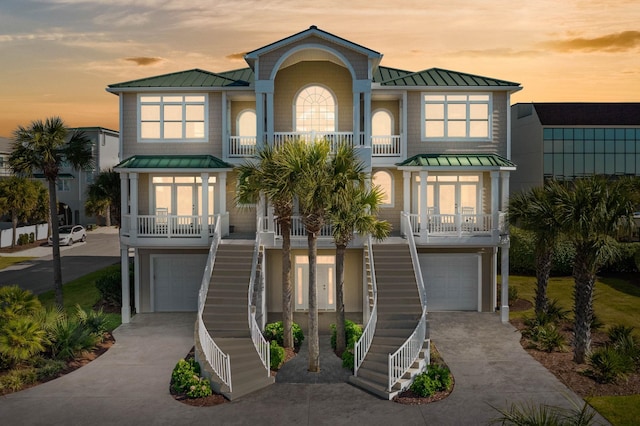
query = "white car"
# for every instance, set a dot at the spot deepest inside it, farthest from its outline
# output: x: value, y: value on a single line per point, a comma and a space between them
x: 70, y: 234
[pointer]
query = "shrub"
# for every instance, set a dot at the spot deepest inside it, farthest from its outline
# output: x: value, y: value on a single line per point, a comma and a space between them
x: 437, y: 378
x: 15, y: 301
x: 352, y: 333
x: 542, y: 414
x: 277, y: 355
x: 625, y: 261
x: 513, y: 295
x: 621, y: 337
x: 348, y: 358
x: 95, y: 322
x: 20, y: 339
x: 69, y: 338
x: 607, y: 364
x: 23, y: 239
x: 49, y: 368
x: 556, y: 312
x: 32, y: 238
x: 275, y: 331
x: 15, y: 380
x: 109, y: 284
x: 549, y: 339
x: 522, y: 254
x: 185, y: 379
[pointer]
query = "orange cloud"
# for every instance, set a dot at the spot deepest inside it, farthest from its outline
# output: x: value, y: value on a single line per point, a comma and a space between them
x: 143, y: 61
x: 236, y: 56
x: 616, y: 42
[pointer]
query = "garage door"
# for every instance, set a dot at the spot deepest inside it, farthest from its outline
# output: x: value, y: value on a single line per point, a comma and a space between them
x: 452, y: 281
x: 176, y: 281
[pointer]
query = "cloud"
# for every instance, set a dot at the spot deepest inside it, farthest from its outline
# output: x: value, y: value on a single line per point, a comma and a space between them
x: 236, y: 56
x: 143, y: 61
x: 498, y: 52
x: 615, y: 42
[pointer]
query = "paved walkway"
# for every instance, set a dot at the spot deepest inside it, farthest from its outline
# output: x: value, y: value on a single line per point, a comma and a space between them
x: 129, y: 385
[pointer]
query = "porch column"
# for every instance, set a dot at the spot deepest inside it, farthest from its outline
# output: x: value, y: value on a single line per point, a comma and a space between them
x: 222, y: 202
x: 270, y: 118
x: 136, y: 283
x: 356, y: 119
x: 406, y: 200
x: 504, y: 293
x: 495, y: 197
x: 124, y: 274
x: 259, y: 119
x: 133, y: 181
x: 124, y: 201
x: 424, y: 219
x: 367, y: 118
x: 204, y: 219
x: 504, y: 196
x: 226, y: 129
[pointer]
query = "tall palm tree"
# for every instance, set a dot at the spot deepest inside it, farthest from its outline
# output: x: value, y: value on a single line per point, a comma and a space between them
x: 18, y: 196
x: 592, y: 211
x: 104, y: 196
x: 271, y: 176
x: 535, y: 211
x: 353, y: 209
x: 44, y: 146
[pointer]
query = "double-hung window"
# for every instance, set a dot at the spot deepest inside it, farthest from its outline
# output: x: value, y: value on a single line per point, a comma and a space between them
x: 172, y: 118
x: 456, y: 116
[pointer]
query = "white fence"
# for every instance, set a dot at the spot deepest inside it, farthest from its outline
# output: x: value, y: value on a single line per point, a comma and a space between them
x: 40, y: 232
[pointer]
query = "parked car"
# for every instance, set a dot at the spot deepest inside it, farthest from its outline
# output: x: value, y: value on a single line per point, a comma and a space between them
x: 70, y: 234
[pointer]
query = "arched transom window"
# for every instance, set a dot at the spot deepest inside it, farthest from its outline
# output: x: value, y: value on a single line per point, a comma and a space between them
x: 315, y: 110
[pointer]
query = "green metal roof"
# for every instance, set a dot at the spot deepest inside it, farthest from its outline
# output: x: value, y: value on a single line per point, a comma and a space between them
x: 457, y: 160
x: 440, y: 77
x: 173, y: 162
x: 60, y: 176
x: 381, y: 74
x: 190, y: 78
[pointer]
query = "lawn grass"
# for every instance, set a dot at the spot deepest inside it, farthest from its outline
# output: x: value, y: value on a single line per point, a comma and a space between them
x: 83, y: 292
x: 619, y: 410
x: 5, y: 262
x: 616, y: 301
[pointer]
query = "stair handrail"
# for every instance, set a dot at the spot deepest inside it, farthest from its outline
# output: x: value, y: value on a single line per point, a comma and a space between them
x: 217, y: 359
x: 402, y: 359
x: 364, y: 343
x: 259, y: 342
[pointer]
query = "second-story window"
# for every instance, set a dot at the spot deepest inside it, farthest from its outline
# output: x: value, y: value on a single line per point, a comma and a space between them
x: 315, y: 110
x: 172, y: 118
x: 456, y: 116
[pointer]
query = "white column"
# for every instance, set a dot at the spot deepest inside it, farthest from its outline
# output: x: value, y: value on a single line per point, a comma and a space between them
x: 356, y: 119
x: 124, y: 274
x: 495, y: 198
x: 406, y: 199
x: 367, y: 118
x: 504, y: 295
x: 204, y: 229
x: 270, y: 118
x: 226, y: 130
x: 124, y: 199
x: 259, y: 120
x: 504, y: 196
x: 424, y: 219
x: 133, y: 207
x: 136, y: 274
x: 222, y: 202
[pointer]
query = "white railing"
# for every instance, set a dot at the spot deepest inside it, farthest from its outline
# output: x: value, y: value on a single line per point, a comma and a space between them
x: 402, y: 359
x: 169, y: 226
x: 450, y: 224
x: 242, y: 146
x: 298, y: 230
x: 335, y: 139
x: 386, y: 146
x: 364, y: 343
x: 259, y: 342
x: 217, y: 359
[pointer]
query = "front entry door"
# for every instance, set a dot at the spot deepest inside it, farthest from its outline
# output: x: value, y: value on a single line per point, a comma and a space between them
x: 325, y: 281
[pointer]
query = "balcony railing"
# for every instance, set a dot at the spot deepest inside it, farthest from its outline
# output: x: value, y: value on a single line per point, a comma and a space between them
x: 382, y: 146
x: 168, y: 226
x: 298, y: 230
x: 454, y: 224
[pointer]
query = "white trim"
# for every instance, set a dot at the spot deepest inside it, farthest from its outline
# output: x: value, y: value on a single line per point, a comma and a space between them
x: 489, y: 104
x: 295, y: 103
x: 312, y: 46
x: 204, y: 139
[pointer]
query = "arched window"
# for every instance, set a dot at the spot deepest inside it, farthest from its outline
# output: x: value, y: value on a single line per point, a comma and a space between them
x: 381, y: 123
x: 246, y: 125
x: 384, y: 180
x: 315, y: 110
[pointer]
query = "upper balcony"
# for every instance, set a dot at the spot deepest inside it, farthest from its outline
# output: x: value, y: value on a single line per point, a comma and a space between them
x: 389, y: 146
x: 164, y: 230
x: 456, y: 229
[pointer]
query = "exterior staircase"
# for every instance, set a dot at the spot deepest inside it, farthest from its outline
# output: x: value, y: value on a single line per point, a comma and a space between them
x: 225, y: 317
x: 399, y: 310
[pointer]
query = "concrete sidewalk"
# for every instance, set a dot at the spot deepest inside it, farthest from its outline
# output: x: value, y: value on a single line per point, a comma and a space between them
x: 129, y: 385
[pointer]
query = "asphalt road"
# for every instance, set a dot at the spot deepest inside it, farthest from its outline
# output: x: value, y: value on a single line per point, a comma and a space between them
x: 101, y: 249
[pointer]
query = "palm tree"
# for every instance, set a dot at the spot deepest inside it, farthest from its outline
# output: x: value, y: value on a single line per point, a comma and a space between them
x: 271, y: 177
x: 535, y: 211
x: 18, y: 196
x: 592, y: 211
x: 45, y: 146
x: 104, y: 196
x: 353, y: 209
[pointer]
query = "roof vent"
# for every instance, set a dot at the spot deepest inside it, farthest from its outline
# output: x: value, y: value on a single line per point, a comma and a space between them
x: 313, y: 27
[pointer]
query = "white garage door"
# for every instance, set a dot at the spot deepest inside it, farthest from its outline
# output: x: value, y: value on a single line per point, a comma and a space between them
x: 175, y: 281
x: 452, y: 281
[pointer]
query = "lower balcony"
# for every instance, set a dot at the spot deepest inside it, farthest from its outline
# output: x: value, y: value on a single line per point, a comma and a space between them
x: 171, y: 230
x: 452, y: 229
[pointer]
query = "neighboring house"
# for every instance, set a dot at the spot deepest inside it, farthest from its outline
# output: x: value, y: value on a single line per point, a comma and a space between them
x: 566, y: 140
x: 73, y: 184
x: 436, y: 141
x: 6, y: 146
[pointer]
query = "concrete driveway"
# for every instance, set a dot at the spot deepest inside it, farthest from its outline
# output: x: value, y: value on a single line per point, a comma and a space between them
x: 129, y: 385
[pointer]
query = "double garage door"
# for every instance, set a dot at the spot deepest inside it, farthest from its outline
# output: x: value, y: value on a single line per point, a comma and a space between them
x: 175, y: 281
x: 452, y: 281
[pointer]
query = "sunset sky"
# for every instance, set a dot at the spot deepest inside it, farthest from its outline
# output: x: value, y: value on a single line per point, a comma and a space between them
x: 57, y: 56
